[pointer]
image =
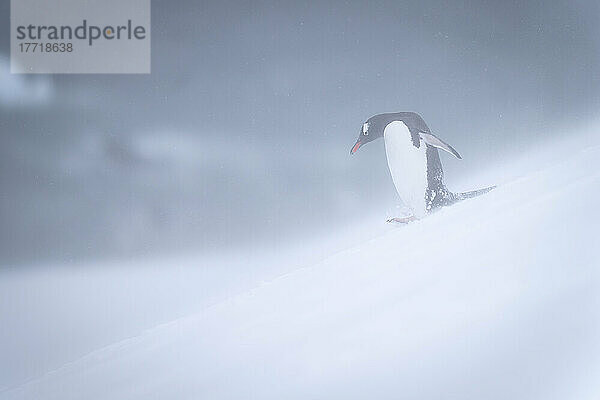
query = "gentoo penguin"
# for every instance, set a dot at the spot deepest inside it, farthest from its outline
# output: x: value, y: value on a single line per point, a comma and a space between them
x: 414, y: 162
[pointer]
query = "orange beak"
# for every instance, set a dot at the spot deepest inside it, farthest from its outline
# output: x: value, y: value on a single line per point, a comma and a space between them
x: 356, y: 147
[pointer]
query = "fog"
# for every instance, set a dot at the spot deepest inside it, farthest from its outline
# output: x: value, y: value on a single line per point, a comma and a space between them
x: 240, y: 135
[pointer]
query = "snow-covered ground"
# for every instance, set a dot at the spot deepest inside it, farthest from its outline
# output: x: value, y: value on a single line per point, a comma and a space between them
x: 494, y: 298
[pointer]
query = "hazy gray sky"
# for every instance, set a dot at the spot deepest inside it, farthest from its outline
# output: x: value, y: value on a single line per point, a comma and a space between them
x: 244, y: 126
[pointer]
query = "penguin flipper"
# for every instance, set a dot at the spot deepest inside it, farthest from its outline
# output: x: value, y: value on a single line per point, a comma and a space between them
x: 435, y: 141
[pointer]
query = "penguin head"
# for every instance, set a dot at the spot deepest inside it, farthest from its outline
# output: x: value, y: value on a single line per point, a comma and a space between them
x: 369, y: 131
x: 374, y: 127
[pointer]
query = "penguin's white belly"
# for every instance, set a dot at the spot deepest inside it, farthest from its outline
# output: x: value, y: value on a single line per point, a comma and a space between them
x: 408, y: 166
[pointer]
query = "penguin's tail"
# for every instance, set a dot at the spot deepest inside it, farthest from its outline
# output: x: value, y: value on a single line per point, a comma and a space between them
x: 473, y: 193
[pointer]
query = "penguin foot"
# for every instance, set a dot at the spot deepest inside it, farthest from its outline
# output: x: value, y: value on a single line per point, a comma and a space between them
x: 404, y: 220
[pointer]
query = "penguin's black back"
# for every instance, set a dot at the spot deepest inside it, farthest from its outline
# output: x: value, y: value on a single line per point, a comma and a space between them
x: 437, y: 195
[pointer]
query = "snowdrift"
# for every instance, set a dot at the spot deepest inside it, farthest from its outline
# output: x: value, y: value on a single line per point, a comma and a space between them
x: 496, y: 297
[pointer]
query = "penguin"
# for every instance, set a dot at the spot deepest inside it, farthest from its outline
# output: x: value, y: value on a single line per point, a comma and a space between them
x: 413, y: 161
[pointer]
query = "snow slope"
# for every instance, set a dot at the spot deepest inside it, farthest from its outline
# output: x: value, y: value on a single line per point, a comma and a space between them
x: 494, y: 298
